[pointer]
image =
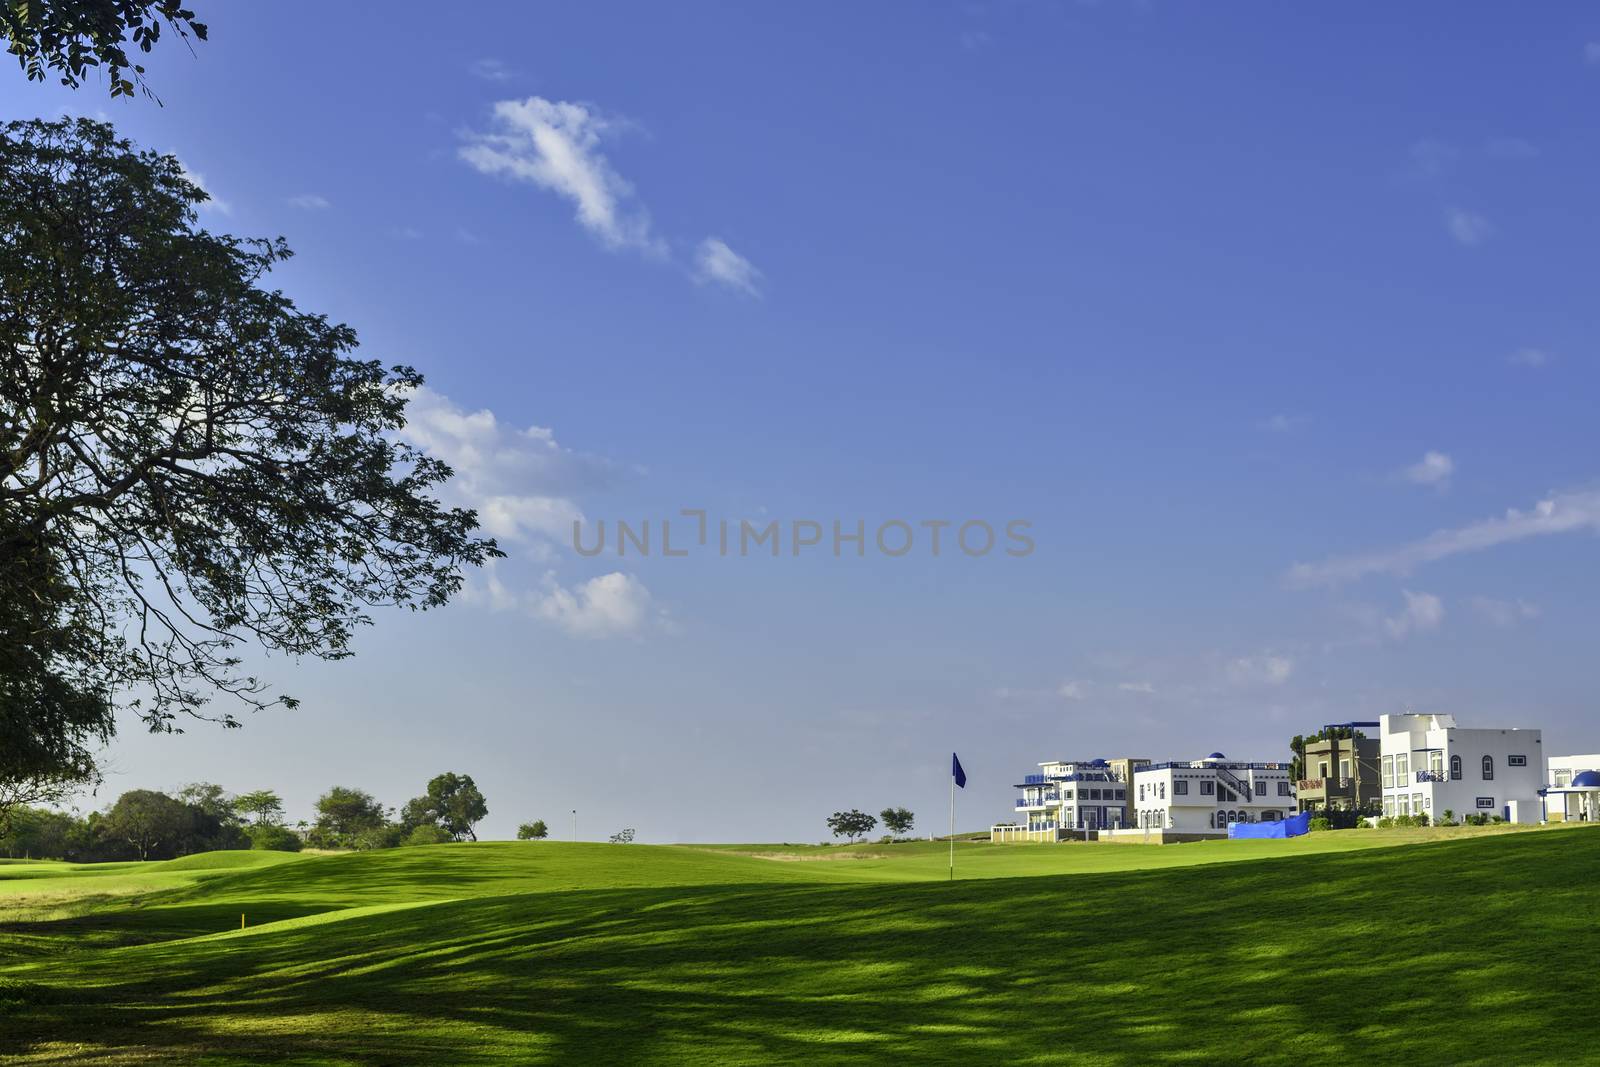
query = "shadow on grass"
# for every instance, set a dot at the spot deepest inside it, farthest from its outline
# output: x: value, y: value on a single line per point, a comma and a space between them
x: 1462, y: 952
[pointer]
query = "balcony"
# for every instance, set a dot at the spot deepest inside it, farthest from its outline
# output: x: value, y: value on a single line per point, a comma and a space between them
x: 1044, y: 798
x: 1430, y: 776
x: 1325, y: 785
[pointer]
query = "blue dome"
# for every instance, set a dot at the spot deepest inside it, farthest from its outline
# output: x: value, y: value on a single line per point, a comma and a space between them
x: 1216, y: 755
x: 1586, y: 780
x: 1097, y: 763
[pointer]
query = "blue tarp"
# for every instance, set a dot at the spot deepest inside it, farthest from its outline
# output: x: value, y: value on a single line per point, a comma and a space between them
x: 1293, y: 826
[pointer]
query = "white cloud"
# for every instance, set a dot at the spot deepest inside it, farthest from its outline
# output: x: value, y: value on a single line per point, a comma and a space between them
x: 1560, y: 513
x: 519, y: 481
x: 1529, y: 357
x: 490, y: 70
x: 716, y: 262
x: 1136, y: 687
x: 1468, y: 227
x: 1591, y: 52
x: 1434, y: 468
x: 310, y: 202
x: 1260, y: 670
x: 611, y: 605
x: 1504, y: 612
x: 1070, y: 691
x: 555, y: 146
x: 1423, y: 611
x: 215, y: 204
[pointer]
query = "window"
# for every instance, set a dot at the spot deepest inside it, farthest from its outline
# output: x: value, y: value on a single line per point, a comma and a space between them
x: 1094, y: 794
x: 1403, y: 807
x: 1141, y: 790
x: 1388, y: 805
x: 1283, y: 789
x: 1455, y: 768
x: 1180, y: 789
x: 1161, y: 790
x: 1416, y: 803
x: 1261, y: 789
x: 1488, y: 768
x: 1322, y: 769
x: 1402, y: 768
x: 1516, y: 761
x: 1388, y: 773
x: 1436, y: 762
x: 1208, y: 789
x: 1486, y: 802
x: 1211, y: 819
x: 1344, y: 768
x: 1563, y: 778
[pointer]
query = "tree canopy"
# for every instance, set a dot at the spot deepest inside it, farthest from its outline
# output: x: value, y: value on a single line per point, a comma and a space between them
x: 453, y: 803
x: 851, y: 824
x: 189, y: 463
x: 72, y: 37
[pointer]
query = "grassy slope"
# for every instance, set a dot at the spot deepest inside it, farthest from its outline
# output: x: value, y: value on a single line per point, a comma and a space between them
x: 1468, y: 950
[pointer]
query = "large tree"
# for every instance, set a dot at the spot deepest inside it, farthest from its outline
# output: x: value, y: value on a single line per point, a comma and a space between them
x: 453, y: 803
x: 189, y: 463
x: 150, y: 821
x: 69, y: 38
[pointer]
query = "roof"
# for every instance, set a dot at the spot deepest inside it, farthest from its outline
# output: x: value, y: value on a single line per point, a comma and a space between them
x: 1587, y: 780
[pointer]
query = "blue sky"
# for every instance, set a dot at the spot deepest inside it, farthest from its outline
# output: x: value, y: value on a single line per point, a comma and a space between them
x: 1278, y: 329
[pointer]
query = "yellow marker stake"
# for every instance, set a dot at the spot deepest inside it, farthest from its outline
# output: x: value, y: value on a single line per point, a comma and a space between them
x: 241, y: 920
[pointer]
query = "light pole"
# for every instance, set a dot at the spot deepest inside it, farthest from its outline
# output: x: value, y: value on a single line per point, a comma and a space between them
x: 574, y: 825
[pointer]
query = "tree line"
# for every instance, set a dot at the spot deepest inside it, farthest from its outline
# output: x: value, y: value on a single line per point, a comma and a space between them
x: 145, y: 824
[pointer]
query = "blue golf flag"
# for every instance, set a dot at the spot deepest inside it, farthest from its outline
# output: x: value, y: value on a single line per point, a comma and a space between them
x: 956, y: 772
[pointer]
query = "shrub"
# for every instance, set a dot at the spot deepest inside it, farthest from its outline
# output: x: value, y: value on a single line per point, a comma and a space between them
x: 1386, y: 822
x: 1321, y: 824
x: 274, y: 838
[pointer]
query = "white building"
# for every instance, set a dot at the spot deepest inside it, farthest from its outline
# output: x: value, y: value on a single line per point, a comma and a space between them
x: 1574, y: 781
x: 1429, y: 765
x: 1202, y: 797
x: 1068, y: 795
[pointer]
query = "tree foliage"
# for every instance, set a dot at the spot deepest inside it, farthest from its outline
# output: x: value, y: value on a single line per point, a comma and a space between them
x: 851, y: 824
x: 146, y: 820
x: 897, y: 820
x: 533, y: 831
x: 264, y: 804
x: 453, y: 803
x: 72, y: 37
x: 347, y: 818
x: 189, y: 463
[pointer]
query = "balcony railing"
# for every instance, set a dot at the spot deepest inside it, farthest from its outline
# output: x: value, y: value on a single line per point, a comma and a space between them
x: 1318, y: 785
x: 1045, y: 798
x: 1430, y: 776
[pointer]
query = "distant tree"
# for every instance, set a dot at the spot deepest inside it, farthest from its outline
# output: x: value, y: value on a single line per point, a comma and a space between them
x: 264, y: 804
x: 189, y: 462
x: 533, y: 831
x: 897, y: 820
x: 345, y: 814
x: 427, y: 834
x: 146, y: 820
x: 274, y: 838
x: 623, y: 837
x: 209, y: 799
x: 453, y: 802
x: 851, y: 824
x: 71, y: 37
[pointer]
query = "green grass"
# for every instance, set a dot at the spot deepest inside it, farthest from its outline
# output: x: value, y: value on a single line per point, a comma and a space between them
x: 1473, y: 947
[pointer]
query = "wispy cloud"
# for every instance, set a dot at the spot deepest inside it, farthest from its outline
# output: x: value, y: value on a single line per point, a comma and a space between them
x: 1433, y: 469
x: 1422, y: 612
x: 491, y: 70
x: 1529, y: 357
x: 310, y: 202
x: 1283, y: 423
x: 1260, y: 670
x: 1467, y: 227
x: 716, y: 262
x: 1146, y: 688
x: 1557, y: 514
x: 555, y: 146
x: 214, y: 204
x: 1504, y: 613
x: 1070, y: 691
x: 1429, y: 158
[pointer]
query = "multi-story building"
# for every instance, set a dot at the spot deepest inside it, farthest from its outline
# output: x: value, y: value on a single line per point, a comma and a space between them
x: 1074, y: 795
x: 1429, y: 765
x: 1574, y: 781
x: 1200, y: 798
x: 1341, y: 772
